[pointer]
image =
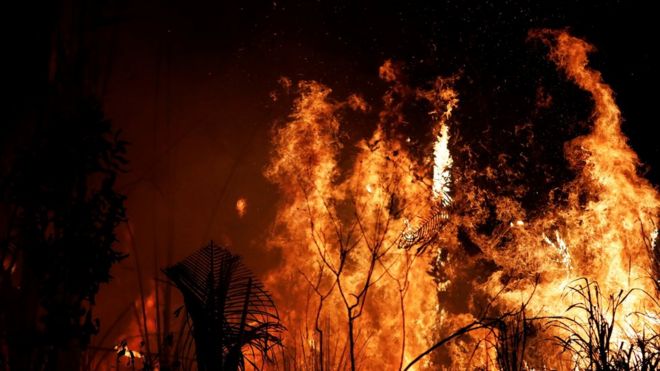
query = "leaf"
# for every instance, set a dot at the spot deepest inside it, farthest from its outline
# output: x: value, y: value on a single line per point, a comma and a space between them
x: 231, y: 312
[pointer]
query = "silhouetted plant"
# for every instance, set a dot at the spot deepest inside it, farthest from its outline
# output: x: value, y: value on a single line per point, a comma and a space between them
x: 512, y: 337
x: 491, y: 324
x: 57, y: 243
x: 234, y: 319
x: 510, y: 331
x: 590, y: 335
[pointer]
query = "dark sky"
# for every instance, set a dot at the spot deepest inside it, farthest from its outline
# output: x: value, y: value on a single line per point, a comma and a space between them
x: 188, y: 83
x: 205, y: 68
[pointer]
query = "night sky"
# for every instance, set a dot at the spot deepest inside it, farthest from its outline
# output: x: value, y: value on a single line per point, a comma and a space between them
x: 188, y: 84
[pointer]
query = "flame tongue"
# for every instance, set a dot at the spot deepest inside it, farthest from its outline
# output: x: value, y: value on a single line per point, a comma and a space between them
x: 336, y: 227
x: 611, y: 233
x: 442, y: 166
x: 623, y: 206
x: 333, y: 222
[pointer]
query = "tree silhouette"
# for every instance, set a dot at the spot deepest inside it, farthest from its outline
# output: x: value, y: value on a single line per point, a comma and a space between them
x: 232, y: 314
x: 59, y: 214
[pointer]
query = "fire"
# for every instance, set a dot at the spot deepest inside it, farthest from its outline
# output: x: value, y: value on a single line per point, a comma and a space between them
x: 442, y: 167
x: 342, y: 228
x: 241, y: 207
x: 352, y: 299
x: 124, y: 352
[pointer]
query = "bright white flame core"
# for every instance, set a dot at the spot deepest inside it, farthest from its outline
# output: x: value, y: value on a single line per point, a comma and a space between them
x: 442, y: 162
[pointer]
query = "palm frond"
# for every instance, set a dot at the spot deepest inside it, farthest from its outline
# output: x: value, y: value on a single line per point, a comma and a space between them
x: 427, y: 232
x: 232, y: 314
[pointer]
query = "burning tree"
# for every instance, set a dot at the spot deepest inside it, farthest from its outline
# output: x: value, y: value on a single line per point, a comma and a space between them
x: 339, y: 230
x: 350, y: 236
x: 470, y: 223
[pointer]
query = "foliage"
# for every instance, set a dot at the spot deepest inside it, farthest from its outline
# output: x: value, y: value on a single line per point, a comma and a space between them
x: 60, y: 211
x: 234, y: 319
x: 591, y: 333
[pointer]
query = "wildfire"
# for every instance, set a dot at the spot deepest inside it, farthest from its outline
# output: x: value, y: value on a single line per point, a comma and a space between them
x: 351, y: 298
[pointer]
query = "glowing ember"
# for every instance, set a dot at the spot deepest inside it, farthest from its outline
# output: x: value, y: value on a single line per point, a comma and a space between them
x: 126, y: 354
x: 241, y: 207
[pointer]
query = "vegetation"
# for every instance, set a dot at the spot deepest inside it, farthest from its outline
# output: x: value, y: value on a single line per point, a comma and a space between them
x: 234, y: 320
x: 59, y: 214
x: 586, y: 332
x: 590, y: 332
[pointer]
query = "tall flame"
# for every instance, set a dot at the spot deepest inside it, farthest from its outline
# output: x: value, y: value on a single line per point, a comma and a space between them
x: 338, y: 230
x: 442, y: 166
x: 345, y: 207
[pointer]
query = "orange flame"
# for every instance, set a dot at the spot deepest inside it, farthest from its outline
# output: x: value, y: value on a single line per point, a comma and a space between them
x: 241, y: 207
x: 343, y: 283
x: 333, y: 225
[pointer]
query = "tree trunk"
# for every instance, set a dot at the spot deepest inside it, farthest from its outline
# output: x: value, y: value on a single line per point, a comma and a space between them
x: 351, y: 341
